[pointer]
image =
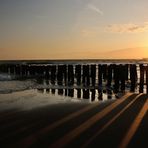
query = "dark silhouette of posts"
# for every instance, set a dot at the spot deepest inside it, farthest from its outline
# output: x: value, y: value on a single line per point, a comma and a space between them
x: 47, y: 90
x: 141, y: 78
x: 109, y: 75
x: 70, y: 75
x: 122, y: 77
x: 146, y: 68
x: 71, y: 92
x: 100, y: 94
x: 116, y: 78
x: 53, y: 91
x: 47, y: 82
x: 12, y: 69
x: 126, y: 71
x: 47, y: 68
x: 40, y: 90
x: 100, y: 72
x: 78, y: 93
x: 93, y: 75
x: 18, y: 70
x: 133, y: 76
x: 4, y: 68
x: 93, y: 93
x: 65, y: 74
x: 53, y: 74
x: 31, y: 70
x: 66, y: 92
x: 85, y: 93
x: 60, y: 91
x: 23, y: 70
x: 86, y: 78
x: 104, y: 71
x: 78, y: 74
x: 60, y: 75
x: 109, y: 94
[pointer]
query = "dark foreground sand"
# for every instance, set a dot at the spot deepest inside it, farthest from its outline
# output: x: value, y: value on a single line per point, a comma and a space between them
x: 114, y: 123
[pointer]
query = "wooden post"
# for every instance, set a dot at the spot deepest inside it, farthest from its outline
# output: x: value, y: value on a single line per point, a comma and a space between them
x: 47, y: 90
x: 84, y: 73
x: 66, y: 92
x: 4, y: 68
x: 60, y: 91
x: 65, y: 74
x: 109, y: 93
x: 18, y: 70
x: 100, y: 94
x: 146, y: 79
x: 126, y: 72
x: 0, y: 68
x: 71, y: 92
x: 93, y: 75
x: 41, y: 90
x: 109, y: 75
x: 46, y: 81
x: 88, y: 75
x: 133, y: 76
x: 78, y: 74
x: 104, y: 71
x: 12, y: 69
x: 85, y: 93
x: 53, y: 74
x: 47, y: 68
x: 78, y: 93
x: 116, y: 78
x: 141, y: 78
x: 70, y: 75
x: 28, y: 73
x: 24, y: 70
x: 100, y: 72
x: 86, y: 78
x: 53, y: 91
x: 93, y: 93
x: 31, y: 70
x: 60, y: 75
x: 122, y: 77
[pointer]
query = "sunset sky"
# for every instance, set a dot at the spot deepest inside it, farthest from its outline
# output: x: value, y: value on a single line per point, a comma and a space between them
x: 69, y: 29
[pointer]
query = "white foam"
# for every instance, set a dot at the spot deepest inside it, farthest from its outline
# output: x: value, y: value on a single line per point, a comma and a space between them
x: 14, y: 85
x: 4, y: 77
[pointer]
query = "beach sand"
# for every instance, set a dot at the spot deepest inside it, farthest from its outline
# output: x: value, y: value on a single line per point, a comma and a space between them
x: 74, y: 123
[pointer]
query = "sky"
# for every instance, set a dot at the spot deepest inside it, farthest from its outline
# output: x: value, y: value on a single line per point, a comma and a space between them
x: 72, y: 29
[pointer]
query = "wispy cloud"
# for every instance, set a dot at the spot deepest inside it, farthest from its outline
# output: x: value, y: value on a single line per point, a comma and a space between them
x: 127, y: 28
x: 95, y: 9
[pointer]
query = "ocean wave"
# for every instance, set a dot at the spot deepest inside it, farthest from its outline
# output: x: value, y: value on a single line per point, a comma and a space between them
x: 15, y: 85
x: 5, y: 77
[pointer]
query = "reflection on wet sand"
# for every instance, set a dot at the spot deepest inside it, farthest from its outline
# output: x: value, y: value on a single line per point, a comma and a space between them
x: 89, y: 94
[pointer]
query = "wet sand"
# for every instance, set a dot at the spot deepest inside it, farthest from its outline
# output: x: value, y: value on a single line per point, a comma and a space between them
x: 77, y: 124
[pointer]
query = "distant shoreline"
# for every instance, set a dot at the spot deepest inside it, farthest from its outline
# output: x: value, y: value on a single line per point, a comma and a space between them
x: 57, y: 61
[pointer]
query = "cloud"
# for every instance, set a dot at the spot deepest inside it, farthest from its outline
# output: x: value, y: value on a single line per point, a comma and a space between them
x: 127, y: 28
x: 95, y: 9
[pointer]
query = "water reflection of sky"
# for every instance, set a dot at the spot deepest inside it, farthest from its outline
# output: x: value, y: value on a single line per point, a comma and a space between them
x: 22, y: 95
x: 30, y: 99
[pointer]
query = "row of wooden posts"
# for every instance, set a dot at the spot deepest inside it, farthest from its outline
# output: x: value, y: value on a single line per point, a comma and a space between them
x: 114, y: 75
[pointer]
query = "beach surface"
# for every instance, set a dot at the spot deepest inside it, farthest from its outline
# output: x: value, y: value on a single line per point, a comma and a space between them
x: 71, y: 122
